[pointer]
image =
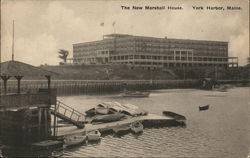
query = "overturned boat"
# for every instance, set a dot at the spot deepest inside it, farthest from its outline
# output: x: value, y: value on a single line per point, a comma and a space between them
x: 107, y: 118
x: 107, y: 108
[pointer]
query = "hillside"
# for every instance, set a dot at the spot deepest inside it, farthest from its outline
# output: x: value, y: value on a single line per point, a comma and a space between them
x: 104, y: 72
x: 123, y: 72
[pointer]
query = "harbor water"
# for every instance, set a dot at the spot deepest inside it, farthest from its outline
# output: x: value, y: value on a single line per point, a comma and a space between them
x: 221, y: 131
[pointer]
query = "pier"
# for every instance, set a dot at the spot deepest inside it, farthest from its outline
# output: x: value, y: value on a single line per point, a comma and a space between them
x: 148, y: 121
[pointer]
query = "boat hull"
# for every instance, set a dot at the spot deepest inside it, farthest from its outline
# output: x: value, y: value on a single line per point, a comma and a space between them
x: 74, y: 140
x: 102, y: 111
x: 121, y: 130
x: 108, y: 118
x: 174, y: 115
x: 202, y: 108
x: 94, y: 136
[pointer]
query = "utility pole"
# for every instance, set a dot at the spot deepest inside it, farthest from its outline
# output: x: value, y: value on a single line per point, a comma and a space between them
x: 13, y: 37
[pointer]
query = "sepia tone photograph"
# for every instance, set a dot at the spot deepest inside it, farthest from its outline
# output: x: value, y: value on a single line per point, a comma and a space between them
x: 125, y: 78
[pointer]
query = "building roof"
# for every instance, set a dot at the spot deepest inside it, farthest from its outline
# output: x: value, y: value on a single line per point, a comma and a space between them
x: 122, y: 36
x: 115, y: 35
x: 16, y: 68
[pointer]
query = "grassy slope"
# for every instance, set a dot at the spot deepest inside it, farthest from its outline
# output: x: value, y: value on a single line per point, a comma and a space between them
x: 116, y: 72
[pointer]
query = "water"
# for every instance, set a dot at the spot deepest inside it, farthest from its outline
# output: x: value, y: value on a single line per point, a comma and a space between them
x: 221, y: 131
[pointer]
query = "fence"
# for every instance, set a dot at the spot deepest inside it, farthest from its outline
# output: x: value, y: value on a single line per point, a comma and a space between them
x: 70, y: 87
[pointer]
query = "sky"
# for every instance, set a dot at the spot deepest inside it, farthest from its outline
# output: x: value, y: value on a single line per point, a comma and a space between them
x: 42, y: 27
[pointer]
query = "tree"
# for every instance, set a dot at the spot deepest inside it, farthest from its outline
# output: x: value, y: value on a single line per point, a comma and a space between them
x: 63, y: 54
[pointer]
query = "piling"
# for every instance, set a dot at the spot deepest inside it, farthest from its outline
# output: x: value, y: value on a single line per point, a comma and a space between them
x: 24, y: 126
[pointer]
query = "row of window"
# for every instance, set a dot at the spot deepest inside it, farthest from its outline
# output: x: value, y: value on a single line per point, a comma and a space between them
x: 183, y: 42
x: 126, y: 57
x: 170, y: 64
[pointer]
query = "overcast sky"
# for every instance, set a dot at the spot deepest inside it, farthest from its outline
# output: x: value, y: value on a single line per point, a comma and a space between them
x: 43, y: 27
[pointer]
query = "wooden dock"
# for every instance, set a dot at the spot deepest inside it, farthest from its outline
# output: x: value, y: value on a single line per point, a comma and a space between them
x: 149, y: 121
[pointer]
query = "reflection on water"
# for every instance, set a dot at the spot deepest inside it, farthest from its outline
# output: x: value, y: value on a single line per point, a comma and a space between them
x: 221, y: 131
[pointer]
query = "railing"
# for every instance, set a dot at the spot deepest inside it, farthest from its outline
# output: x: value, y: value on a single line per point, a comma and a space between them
x: 69, y: 112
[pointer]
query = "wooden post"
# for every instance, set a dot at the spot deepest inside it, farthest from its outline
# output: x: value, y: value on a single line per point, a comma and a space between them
x: 5, y: 79
x: 49, y: 79
x: 39, y: 123
x: 18, y: 83
x: 45, y: 122
x: 55, y: 110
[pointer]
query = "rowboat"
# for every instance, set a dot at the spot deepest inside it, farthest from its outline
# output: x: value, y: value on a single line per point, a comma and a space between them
x: 135, y: 94
x: 121, y: 130
x: 136, y: 127
x: 74, y: 140
x: 206, y: 107
x: 175, y: 116
x: 94, y: 136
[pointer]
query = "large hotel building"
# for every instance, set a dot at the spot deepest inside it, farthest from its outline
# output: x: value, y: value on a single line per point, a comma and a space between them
x: 151, y: 53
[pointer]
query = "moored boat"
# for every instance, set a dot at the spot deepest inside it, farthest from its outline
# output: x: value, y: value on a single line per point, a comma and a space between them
x: 205, y: 107
x: 120, y: 130
x: 174, y: 115
x: 74, y: 140
x: 94, y: 136
x: 136, y: 127
x: 135, y: 94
